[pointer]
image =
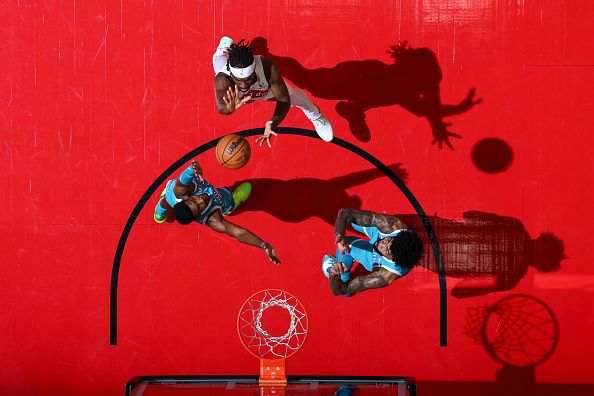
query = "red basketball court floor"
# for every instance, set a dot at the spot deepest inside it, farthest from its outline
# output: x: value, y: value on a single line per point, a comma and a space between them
x: 99, y: 98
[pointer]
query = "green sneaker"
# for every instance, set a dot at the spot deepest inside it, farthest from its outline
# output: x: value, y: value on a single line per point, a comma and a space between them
x: 160, y: 219
x: 242, y: 193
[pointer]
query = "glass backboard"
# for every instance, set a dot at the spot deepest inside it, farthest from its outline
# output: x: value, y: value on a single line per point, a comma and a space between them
x: 248, y: 385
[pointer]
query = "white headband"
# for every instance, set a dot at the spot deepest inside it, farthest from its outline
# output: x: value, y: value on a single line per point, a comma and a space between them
x: 243, y: 72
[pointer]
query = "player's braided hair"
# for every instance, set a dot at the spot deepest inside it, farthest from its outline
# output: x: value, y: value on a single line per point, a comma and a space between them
x: 241, y: 54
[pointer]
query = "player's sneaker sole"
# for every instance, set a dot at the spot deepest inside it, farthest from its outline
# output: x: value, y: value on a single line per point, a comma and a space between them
x: 327, y: 263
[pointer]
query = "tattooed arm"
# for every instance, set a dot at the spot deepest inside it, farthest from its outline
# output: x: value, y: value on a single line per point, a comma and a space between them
x: 385, y: 223
x: 375, y: 280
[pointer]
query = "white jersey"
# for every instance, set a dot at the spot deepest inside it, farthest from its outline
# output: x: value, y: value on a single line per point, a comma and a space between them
x: 260, y: 89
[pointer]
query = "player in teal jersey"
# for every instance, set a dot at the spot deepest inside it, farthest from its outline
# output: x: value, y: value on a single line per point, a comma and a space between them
x: 389, y: 252
x: 191, y: 198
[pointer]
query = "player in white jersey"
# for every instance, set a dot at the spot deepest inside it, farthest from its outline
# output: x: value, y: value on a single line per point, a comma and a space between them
x: 389, y: 252
x: 242, y: 78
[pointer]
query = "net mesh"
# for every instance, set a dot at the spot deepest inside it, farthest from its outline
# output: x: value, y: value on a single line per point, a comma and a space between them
x: 475, y: 321
x: 519, y: 330
x: 257, y: 340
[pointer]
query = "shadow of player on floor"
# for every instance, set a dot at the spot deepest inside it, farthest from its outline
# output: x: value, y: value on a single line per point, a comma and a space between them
x: 310, y: 197
x: 489, y: 252
x: 412, y: 82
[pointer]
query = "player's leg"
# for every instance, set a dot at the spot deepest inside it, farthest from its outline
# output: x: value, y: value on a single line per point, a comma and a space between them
x: 239, y: 195
x: 219, y: 58
x: 160, y: 214
x: 322, y: 126
x: 355, y: 116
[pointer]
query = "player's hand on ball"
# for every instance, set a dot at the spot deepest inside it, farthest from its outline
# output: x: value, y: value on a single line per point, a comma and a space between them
x: 338, y: 269
x: 268, y: 132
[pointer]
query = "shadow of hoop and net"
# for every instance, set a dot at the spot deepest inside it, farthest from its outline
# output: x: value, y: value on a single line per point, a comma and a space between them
x: 518, y: 330
x: 521, y: 332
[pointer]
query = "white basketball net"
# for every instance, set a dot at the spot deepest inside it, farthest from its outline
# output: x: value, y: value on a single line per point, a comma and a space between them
x: 258, y: 340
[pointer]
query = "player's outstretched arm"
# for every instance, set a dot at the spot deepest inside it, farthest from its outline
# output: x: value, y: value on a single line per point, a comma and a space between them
x: 283, y: 101
x: 243, y: 235
x: 183, y: 184
x: 281, y: 94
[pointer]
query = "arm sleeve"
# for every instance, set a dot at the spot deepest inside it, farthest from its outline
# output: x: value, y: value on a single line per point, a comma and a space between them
x: 186, y: 176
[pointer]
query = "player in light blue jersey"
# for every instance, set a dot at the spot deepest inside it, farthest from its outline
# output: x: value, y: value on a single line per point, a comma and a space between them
x: 191, y: 198
x: 389, y: 252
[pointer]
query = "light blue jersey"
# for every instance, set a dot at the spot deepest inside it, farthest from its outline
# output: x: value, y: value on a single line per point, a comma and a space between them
x: 364, y: 252
x: 220, y: 198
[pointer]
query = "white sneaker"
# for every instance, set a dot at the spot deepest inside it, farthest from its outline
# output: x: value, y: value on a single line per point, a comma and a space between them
x: 323, y: 127
x: 225, y: 43
x: 327, y: 262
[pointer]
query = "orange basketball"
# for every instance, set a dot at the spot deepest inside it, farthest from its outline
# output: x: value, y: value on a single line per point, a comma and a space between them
x: 233, y: 151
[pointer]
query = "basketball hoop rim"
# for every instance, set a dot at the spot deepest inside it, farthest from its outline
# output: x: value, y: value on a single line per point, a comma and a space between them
x: 249, y: 299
